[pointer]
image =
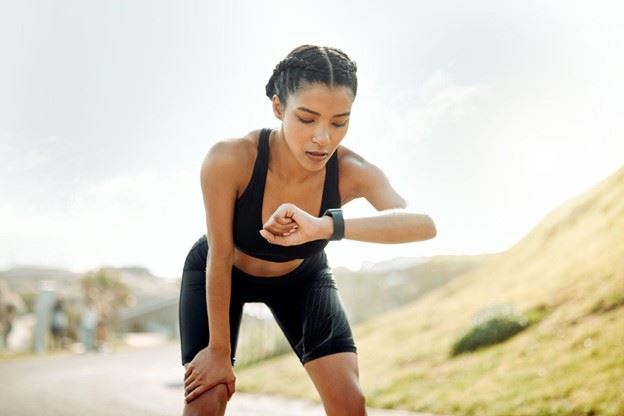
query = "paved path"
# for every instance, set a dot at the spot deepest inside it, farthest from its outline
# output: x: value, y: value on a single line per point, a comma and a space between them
x: 137, y: 382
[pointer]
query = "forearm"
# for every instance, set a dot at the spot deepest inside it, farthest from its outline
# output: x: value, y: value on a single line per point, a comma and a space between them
x: 391, y: 227
x: 218, y: 293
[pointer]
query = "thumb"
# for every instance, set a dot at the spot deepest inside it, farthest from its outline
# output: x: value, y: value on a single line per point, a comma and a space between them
x: 283, y: 220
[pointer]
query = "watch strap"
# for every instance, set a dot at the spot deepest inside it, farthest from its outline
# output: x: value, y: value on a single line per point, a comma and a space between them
x: 339, y: 225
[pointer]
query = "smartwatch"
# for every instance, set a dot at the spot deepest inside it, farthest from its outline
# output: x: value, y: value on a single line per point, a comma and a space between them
x: 339, y: 225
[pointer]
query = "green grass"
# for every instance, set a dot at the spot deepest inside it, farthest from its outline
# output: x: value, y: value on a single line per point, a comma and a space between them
x: 566, y: 276
x: 8, y: 355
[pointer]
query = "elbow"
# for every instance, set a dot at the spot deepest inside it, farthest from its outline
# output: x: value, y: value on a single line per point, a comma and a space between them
x: 431, y: 230
x: 220, y: 260
x: 434, y: 231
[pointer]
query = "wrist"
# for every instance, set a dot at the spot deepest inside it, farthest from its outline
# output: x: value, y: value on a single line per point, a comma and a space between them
x: 221, y: 349
x: 326, y: 227
x: 338, y: 225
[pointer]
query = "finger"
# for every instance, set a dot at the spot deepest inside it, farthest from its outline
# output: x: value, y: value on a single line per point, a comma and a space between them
x: 189, y: 380
x: 195, y: 393
x: 191, y: 387
x: 267, y: 235
x: 273, y: 239
x: 270, y: 237
x: 231, y: 388
x: 283, y: 220
x: 190, y: 372
x: 277, y: 228
x: 188, y: 397
x: 278, y: 233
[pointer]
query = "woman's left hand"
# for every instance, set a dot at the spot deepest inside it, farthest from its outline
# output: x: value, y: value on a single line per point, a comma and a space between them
x: 290, y: 225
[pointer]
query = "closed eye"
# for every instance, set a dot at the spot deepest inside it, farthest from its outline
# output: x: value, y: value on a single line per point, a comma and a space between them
x: 305, y: 121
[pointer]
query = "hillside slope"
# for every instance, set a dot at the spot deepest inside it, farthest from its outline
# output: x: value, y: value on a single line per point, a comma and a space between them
x: 372, y: 291
x: 568, y: 271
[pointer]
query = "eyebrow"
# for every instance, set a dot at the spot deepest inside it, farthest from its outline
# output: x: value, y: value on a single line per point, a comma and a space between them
x: 318, y: 114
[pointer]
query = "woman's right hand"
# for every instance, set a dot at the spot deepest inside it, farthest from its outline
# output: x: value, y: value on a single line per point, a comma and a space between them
x: 211, y: 366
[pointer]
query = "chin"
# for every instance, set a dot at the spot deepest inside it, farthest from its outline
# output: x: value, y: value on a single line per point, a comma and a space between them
x: 312, y: 165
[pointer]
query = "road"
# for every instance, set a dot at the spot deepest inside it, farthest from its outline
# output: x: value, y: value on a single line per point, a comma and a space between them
x: 132, y: 381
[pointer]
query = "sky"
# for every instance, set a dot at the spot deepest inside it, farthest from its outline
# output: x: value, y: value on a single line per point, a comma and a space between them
x: 484, y: 115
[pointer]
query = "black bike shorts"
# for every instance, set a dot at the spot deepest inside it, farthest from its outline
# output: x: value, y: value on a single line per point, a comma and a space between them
x: 305, y: 303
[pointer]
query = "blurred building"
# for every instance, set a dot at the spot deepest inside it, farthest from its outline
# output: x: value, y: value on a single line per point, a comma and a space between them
x: 151, y: 315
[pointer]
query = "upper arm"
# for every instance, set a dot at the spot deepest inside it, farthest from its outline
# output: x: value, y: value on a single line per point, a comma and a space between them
x: 371, y: 183
x: 219, y: 189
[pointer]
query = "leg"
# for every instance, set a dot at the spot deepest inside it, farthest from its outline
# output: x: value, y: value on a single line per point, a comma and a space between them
x: 193, y: 311
x: 313, y: 319
x: 194, y: 335
x: 335, y: 377
x: 210, y: 403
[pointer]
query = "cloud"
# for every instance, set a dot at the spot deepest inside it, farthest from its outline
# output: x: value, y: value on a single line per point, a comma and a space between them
x: 399, y: 125
x: 440, y: 100
x: 19, y: 157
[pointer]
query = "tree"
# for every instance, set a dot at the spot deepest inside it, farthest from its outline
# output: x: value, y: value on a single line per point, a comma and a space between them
x: 105, y: 290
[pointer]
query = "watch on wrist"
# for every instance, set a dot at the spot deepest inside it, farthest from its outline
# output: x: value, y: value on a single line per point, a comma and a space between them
x: 339, y: 225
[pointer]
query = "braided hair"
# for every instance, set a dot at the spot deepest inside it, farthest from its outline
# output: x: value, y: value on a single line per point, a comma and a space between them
x: 309, y: 64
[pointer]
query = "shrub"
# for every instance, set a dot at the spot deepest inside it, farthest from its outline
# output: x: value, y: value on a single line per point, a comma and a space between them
x: 490, y: 326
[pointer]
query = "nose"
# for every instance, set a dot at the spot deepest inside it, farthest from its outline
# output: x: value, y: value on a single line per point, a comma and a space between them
x: 321, y: 137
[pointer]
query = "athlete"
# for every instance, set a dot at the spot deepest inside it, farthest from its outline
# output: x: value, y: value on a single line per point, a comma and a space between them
x: 273, y: 201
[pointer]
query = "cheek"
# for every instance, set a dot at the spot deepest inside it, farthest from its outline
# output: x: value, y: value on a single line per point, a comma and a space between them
x: 295, y: 129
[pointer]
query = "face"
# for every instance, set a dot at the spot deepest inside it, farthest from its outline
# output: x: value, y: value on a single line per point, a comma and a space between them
x: 314, y: 122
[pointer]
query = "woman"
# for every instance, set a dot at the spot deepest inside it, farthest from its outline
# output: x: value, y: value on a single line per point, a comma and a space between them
x: 272, y: 200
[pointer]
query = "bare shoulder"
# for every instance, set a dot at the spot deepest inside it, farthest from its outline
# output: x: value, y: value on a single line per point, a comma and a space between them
x: 349, y: 157
x: 235, y: 149
x: 233, y: 158
x: 359, y: 178
x: 351, y: 166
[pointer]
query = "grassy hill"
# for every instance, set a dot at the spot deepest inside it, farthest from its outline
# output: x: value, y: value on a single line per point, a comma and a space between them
x: 567, y: 274
x: 374, y: 290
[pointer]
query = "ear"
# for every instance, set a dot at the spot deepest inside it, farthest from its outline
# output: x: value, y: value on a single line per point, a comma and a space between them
x: 277, y: 107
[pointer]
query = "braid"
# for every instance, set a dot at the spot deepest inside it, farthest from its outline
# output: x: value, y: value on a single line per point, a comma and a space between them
x: 311, y: 64
x: 286, y: 66
x: 348, y: 63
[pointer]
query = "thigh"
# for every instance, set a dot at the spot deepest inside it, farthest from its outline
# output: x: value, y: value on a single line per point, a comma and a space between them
x: 193, y: 312
x: 313, y: 318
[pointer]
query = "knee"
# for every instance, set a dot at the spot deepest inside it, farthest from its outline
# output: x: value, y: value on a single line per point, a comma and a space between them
x: 210, y: 403
x: 352, y: 403
x: 357, y: 403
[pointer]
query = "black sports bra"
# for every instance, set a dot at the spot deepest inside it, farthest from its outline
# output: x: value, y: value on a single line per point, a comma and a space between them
x: 248, y: 210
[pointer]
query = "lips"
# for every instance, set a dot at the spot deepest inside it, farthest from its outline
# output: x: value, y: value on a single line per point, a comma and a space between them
x: 318, y: 156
